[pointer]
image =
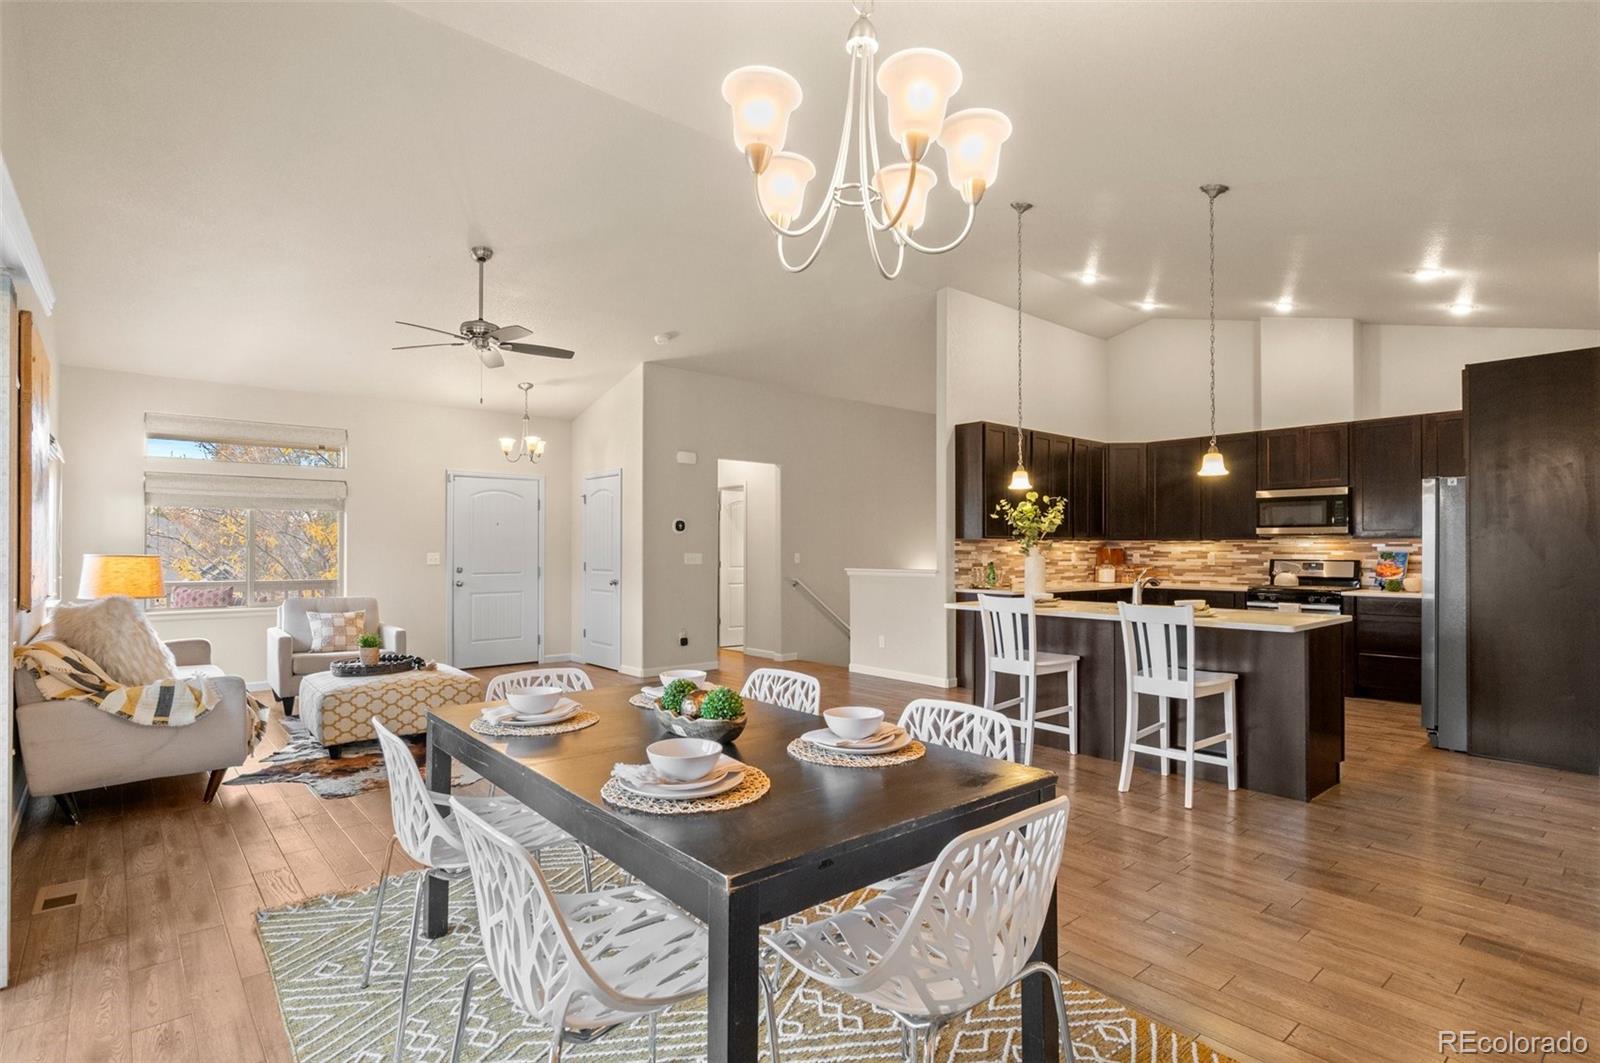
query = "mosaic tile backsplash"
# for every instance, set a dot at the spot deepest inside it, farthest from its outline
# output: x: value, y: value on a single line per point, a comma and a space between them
x: 1214, y: 560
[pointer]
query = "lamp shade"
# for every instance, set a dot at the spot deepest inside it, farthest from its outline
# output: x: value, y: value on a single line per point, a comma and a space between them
x: 891, y: 185
x: 917, y: 85
x: 1212, y: 464
x: 131, y: 575
x: 762, y: 98
x: 782, y: 186
x: 971, y: 140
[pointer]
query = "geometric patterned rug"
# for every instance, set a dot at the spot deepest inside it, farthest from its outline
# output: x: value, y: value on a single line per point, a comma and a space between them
x: 315, y: 952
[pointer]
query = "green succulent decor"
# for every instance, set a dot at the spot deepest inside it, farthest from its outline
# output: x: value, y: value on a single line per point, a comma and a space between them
x: 1032, y: 518
x: 722, y: 704
x: 368, y: 641
x: 677, y: 690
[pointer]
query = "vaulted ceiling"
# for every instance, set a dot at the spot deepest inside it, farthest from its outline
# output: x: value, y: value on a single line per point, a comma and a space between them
x: 254, y: 193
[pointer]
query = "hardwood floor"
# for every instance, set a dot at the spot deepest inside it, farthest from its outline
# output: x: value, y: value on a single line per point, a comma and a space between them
x: 1429, y: 890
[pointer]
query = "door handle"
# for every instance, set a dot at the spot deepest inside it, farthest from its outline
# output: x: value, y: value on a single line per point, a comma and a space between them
x: 613, y: 583
x: 461, y: 583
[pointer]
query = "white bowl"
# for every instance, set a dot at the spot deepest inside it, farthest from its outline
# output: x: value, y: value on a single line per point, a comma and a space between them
x: 535, y: 699
x: 683, y: 759
x: 853, y: 722
x: 693, y: 675
x: 1200, y: 604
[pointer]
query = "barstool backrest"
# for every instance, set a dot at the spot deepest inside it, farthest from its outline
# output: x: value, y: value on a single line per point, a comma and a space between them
x: 1010, y: 630
x: 1158, y: 644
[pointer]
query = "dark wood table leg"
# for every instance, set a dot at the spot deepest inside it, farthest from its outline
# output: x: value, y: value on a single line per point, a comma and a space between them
x: 733, y: 986
x: 437, y: 901
x: 1041, y: 1041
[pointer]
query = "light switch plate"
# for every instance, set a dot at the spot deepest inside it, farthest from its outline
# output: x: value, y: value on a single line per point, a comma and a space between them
x: 797, y: 559
x: 693, y: 559
x: 431, y: 559
x: 687, y: 457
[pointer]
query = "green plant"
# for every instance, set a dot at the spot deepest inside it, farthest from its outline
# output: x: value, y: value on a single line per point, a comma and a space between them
x: 722, y: 704
x: 1032, y: 518
x: 369, y: 641
x: 677, y: 690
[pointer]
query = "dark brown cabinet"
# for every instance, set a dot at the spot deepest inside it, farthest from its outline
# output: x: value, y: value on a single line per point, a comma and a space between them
x: 985, y: 455
x: 1174, y: 490
x: 1386, y: 477
x: 1125, y: 491
x: 1050, y: 470
x: 1444, y: 444
x: 1228, y: 503
x: 1314, y: 456
x: 1088, y: 499
x: 1388, y: 648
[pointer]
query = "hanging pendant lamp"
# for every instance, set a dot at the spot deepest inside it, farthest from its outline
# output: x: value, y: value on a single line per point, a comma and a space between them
x: 1019, y: 476
x: 1212, y: 464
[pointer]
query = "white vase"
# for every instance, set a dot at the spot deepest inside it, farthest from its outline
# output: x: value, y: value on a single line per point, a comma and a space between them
x: 1033, y: 573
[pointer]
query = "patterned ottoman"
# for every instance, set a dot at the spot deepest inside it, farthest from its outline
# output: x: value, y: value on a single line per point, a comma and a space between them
x: 338, y: 710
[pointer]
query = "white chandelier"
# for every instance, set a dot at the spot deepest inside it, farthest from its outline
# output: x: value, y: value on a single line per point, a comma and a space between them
x: 917, y: 84
x: 526, y: 444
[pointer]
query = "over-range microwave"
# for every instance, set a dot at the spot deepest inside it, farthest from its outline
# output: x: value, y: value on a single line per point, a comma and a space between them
x: 1303, y: 511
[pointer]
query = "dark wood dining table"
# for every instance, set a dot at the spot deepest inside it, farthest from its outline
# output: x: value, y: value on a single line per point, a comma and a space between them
x: 818, y: 834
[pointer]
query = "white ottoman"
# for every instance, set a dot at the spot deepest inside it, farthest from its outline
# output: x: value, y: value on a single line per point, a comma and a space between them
x: 338, y: 710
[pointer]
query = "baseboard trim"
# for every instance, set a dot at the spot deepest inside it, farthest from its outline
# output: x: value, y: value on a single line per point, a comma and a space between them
x: 647, y: 673
x: 770, y: 655
x: 943, y: 682
x: 564, y: 658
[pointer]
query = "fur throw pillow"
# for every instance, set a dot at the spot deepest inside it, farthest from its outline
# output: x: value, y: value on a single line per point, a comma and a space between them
x: 116, y: 635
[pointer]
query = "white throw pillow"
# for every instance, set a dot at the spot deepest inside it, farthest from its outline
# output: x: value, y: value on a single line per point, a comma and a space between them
x: 116, y: 635
x: 333, y: 632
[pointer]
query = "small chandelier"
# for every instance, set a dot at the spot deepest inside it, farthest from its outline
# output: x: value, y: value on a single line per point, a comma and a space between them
x: 530, y: 445
x: 1212, y: 464
x: 917, y: 84
x: 1019, y: 475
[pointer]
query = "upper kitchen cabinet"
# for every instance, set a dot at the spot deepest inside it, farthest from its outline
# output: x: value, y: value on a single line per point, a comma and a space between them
x: 1386, y: 480
x: 1444, y: 444
x: 1228, y: 503
x: 1313, y: 456
x: 1088, y: 504
x: 1174, y: 489
x: 1125, y: 492
x: 1050, y: 471
x: 985, y: 455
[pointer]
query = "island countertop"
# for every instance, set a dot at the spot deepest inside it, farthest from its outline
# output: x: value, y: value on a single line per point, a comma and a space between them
x: 1267, y: 620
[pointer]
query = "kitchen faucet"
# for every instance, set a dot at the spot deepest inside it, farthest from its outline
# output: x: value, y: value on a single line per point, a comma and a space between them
x: 1140, y: 582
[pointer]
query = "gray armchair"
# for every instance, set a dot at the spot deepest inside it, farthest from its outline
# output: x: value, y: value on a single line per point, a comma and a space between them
x: 289, y: 656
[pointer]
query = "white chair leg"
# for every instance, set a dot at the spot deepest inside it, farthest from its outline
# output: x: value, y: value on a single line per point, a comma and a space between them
x: 465, y: 1011
x: 1126, y: 779
x: 588, y: 869
x: 411, y: 957
x: 1029, y: 685
x: 1230, y: 723
x: 988, y: 686
x: 1188, y: 754
x: 377, y: 912
x: 652, y: 1022
x: 1166, y: 729
x: 1072, y: 708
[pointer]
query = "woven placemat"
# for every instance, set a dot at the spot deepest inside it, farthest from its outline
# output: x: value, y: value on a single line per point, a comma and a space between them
x: 752, y: 788
x: 642, y: 701
x: 812, y: 753
x: 576, y: 722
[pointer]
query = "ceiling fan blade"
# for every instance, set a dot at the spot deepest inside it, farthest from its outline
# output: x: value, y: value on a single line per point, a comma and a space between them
x: 491, y: 358
x: 534, y: 348
x: 430, y: 328
x: 509, y: 332
x: 418, y: 346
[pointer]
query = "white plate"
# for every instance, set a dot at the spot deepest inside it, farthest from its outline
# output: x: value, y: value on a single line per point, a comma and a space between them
x: 830, y: 741
x: 682, y: 792
x: 564, y: 709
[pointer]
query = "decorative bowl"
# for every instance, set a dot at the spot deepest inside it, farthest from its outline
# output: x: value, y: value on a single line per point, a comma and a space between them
x: 693, y: 675
x: 535, y: 699
x: 683, y: 759
x: 697, y: 727
x: 853, y: 722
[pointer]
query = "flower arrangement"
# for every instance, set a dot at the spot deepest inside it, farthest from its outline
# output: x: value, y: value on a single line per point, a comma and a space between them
x: 1032, y: 518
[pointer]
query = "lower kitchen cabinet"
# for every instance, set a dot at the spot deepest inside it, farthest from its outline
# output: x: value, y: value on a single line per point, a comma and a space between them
x: 1386, y: 644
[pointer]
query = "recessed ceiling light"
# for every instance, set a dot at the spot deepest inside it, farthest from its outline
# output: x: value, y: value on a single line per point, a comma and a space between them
x: 1427, y: 273
x: 1089, y: 276
x: 664, y: 338
x: 1148, y: 305
x: 1284, y: 305
x: 1461, y: 309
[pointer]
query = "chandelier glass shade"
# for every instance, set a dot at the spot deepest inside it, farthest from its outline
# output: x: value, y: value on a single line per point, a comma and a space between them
x: 1212, y: 463
x: 527, y: 444
x: 917, y: 85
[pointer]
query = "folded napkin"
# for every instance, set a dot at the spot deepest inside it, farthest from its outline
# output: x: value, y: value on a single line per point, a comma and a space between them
x: 885, y: 734
x: 645, y: 775
x: 505, y: 713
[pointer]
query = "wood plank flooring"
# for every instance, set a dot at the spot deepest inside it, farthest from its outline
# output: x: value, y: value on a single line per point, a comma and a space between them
x: 1429, y: 890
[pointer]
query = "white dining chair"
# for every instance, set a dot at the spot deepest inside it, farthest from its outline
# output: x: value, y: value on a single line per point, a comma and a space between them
x: 569, y: 679
x: 1011, y: 647
x: 928, y: 952
x: 969, y: 728
x: 779, y: 686
x: 432, y: 840
x: 1158, y: 648
x: 580, y: 963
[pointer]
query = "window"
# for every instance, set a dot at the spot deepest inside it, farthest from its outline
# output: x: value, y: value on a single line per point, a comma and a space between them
x: 243, y: 540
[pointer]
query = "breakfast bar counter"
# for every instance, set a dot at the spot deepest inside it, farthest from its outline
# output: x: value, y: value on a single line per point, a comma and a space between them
x: 1290, y: 690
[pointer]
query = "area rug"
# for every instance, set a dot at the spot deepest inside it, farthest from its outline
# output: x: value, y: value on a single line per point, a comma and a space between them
x: 303, y: 759
x: 315, y: 951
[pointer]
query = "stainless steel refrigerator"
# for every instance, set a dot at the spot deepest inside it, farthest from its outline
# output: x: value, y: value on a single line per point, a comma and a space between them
x: 1444, y: 611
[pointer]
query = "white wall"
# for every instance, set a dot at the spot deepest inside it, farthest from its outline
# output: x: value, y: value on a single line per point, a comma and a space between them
x: 856, y: 484
x: 1417, y: 368
x: 395, y: 513
x: 897, y: 625
x: 763, y: 561
x: 1159, y: 379
x: 1308, y: 371
x: 608, y: 436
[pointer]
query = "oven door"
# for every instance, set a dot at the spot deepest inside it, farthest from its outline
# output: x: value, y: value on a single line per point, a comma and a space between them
x: 1312, y: 511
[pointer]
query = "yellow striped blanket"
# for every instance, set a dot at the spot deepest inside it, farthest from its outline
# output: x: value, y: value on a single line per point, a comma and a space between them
x: 63, y: 673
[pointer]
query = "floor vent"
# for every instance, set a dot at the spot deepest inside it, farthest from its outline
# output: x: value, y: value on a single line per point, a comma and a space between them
x: 61, y: 895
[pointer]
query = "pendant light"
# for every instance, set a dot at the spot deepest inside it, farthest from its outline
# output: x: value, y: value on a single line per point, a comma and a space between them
x: 1212, y: 464
x: 527, y: 445
x: 1019, y: 476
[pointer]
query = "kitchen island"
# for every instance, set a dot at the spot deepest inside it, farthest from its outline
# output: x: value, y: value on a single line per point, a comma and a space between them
x: 1290, y: 691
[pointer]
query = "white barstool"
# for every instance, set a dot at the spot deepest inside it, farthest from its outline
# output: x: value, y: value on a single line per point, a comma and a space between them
x: 1010, y: 646
x: 1158, y: 642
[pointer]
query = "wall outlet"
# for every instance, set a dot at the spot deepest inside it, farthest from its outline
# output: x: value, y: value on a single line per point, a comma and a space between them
x: 693, y: 559
x: 687, y: 457
x: 797, y: 558
x: 880, y: 642
x: 431, y: 559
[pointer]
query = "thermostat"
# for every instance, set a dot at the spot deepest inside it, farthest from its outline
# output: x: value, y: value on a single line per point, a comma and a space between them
x: 679, y: 525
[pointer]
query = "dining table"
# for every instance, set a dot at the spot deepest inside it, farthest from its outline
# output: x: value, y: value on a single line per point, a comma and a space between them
x: 820, y: 833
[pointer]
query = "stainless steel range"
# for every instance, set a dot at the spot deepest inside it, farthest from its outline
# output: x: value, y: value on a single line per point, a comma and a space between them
x: 1314, y: 586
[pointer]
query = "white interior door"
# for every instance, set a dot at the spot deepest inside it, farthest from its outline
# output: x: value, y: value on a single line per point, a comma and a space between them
x: 730, y: 568
x: 496, y: 552
x: 602, y: 569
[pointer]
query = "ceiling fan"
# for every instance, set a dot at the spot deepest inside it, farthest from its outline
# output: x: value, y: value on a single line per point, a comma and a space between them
x: 485, y: 337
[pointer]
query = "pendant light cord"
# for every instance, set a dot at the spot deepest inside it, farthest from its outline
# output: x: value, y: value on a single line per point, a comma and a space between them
x: 1019, y: 336
x: 1213, y: 271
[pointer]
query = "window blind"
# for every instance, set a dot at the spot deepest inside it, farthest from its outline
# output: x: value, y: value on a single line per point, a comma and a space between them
x: 197, y: 429
x: 215, y: 491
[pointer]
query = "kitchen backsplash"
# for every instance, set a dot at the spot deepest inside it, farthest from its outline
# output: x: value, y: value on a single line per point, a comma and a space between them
x: 1219, y: 560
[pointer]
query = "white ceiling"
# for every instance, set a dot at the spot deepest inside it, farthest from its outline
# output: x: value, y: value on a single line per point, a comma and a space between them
x: 254, y: 192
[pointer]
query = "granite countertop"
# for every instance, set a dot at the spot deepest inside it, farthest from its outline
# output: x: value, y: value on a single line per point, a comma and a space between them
x: 1374, y: 592
x: 1077, y: 586
x: 1265, y: 620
